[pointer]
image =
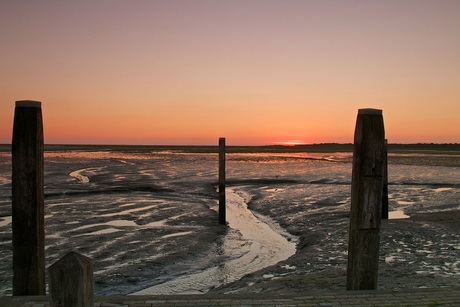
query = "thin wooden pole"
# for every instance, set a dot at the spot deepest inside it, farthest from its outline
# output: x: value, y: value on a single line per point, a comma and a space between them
x: 27, y: 200
x: 222, y: 217
x: 385, y: 182
x: 366, y: 201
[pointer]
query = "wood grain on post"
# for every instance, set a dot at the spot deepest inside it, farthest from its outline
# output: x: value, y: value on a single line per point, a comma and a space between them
x: 71, y: 281
x: 28, y: 200
x: 366, y: 201
x: 222, y: 213
x: 385, y: 207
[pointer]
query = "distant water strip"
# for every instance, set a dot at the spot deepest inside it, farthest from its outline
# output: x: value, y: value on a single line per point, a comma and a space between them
x: 267, y: 248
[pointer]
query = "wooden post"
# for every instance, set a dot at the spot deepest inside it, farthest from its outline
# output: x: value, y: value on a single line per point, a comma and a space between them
x: 366, y: 201
x: 71, y: 281
x: 222, y: 217
x: 385, y: 182
x: 27, y: 200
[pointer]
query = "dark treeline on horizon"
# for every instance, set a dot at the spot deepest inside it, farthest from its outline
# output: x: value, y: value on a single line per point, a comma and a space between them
x: 441, y: 148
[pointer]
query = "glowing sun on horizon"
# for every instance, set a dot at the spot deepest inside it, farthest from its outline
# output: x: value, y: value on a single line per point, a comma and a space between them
x: 290, y: 143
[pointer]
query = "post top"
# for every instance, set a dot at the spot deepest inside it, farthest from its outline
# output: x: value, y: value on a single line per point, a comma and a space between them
x: 28, y: 104
x: 370, y: 111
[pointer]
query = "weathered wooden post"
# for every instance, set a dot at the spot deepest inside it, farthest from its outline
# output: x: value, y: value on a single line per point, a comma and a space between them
x: 366, y: 201
x: 71, y: 281
x: 385, y: 182
x: 28, y: 200
x: 222, y: 217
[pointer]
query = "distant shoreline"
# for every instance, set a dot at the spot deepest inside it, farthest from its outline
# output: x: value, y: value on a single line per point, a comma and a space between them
x: 422, y: 148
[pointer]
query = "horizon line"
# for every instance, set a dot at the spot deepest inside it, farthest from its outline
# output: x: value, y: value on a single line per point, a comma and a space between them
x: 235, y: 145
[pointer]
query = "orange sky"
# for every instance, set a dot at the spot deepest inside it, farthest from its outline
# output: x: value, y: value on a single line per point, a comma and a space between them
x: 253, y: 71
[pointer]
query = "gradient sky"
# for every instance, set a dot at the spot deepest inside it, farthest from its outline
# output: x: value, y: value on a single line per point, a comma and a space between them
x: 253, y: 71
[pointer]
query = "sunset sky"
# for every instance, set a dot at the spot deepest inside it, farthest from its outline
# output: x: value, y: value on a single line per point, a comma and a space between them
x: 253, y: 71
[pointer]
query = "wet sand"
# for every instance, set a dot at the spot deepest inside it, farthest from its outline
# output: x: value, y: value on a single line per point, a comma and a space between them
x: 143, y: 224
x: 260, y: 245
x: 422, y: 251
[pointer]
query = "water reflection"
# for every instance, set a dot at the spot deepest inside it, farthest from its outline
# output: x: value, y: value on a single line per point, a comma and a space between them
x: 264, y: 247
x: 398, y: 214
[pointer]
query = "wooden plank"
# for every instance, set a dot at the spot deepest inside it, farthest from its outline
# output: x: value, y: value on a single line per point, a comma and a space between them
x: 366, y: 201
x: 370, y: 199
x: 222, y: 200
x: 28, y: 200
x: 385, y: 208
x: 71, y: 281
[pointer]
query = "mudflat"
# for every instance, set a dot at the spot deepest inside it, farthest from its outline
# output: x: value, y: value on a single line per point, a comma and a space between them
x: 147, y: 217
x: 422, y: 251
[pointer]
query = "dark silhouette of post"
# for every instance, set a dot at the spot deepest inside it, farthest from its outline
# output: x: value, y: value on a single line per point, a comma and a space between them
x: 71, y: 281
x: 222, y: 217
x: 27, y: 200
x: 366, y: 201
x: 385, y: 183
